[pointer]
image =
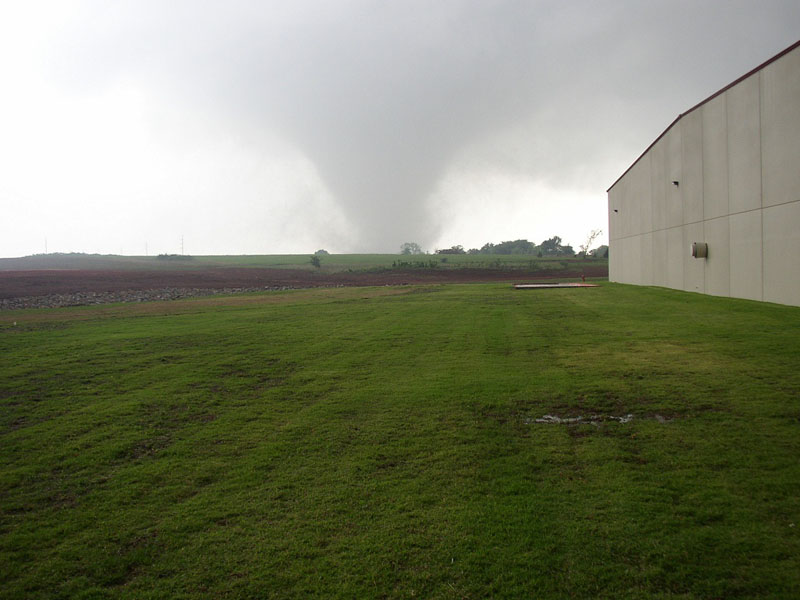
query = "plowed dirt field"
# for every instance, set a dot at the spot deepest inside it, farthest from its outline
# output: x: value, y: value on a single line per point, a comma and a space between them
x: 16, y: 284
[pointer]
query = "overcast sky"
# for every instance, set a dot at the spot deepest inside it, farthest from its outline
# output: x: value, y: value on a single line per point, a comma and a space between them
x: 270, y: 127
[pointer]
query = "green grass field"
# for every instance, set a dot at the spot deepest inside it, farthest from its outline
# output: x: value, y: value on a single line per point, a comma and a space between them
x: 382, y: 442
x: 329, y: 263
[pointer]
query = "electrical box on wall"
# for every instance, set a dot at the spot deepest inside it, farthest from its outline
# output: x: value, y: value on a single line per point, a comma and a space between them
x: 700, y: 250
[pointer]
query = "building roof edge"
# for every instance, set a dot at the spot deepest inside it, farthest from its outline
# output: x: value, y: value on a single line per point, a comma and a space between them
x: 701, y: 103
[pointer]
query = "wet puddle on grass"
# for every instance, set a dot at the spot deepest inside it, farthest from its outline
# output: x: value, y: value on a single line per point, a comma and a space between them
x: 595, y: 420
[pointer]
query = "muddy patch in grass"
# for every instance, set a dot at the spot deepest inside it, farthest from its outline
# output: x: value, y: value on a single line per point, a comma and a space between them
x: 594, y: 419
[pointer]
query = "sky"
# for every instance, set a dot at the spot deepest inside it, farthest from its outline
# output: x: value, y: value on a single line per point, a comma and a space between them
x: 271, y: 127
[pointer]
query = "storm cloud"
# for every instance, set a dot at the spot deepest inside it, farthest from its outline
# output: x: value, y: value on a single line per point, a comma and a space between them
x: 404, y: 110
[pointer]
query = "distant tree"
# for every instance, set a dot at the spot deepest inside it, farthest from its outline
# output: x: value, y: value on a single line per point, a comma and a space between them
x: 554, y: 247
x: 551, y: 246
x: 514, y: 247
x: 599, y: 252
x: 321, y: 252
x: 452, y: 250
x: 410, y: 248
x: 593, y: 234
x: 315, y: 261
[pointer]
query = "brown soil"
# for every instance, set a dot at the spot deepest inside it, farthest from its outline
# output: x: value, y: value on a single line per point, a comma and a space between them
x: 16, y: 284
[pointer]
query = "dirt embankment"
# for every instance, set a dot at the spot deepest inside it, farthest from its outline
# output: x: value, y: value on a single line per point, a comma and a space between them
x: 26, y: 289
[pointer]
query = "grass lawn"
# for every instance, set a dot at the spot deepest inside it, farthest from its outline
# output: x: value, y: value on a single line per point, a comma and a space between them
x: 329, y: 263
x: 382, y: 442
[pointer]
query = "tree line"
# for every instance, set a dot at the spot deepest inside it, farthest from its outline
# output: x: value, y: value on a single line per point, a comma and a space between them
x: 553, y: 246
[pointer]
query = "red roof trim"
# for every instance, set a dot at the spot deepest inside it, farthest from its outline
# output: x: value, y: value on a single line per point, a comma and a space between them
x: 698, y: 105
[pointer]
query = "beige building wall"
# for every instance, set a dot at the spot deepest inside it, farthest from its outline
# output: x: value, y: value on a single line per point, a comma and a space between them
x: 736, y: 160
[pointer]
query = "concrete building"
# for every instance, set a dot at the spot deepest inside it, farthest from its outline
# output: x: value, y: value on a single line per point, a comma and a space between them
x: 724, y: 177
